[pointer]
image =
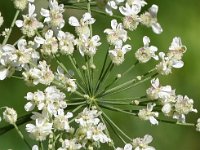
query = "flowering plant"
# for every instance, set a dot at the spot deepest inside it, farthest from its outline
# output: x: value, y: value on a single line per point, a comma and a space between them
x: 70, y: 112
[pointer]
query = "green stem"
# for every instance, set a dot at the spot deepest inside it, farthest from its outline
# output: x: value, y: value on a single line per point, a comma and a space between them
x: 22, y: 137
x: 41, y: 147
x: 11, y: 27
x: 125, y: 99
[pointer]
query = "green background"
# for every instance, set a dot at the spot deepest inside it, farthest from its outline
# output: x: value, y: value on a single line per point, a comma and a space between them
x: 178, y: 18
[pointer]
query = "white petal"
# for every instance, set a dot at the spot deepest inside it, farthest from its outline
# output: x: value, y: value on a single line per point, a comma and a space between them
x: 166, y: 108
x: 44, y: 12
x: 31, y: 9
x: 148, y: 139
x: 35, y: 147
x: 39, y: 40
x: 153, y: 120
x: 114, y: 24
x: 49, y: 34
x: 112, y: 4
x: 19, y: 23
x: 126, y: 48
x: 69, y: 115
x: 178, y: 64
x: 87, y: 16
x: 153, y: 10
x: 108, y: 10
x: 21, y: 44
x: 29, y: 106
x: 146, y: 41
x: 156, y: 27
x: 73, y: 21
x: 61, y: 35
x: 8, y: 47
x: 3, y: 73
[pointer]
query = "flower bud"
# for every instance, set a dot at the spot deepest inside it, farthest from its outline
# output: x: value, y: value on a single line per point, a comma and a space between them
x: 20, y: 4
x: 10, y: 115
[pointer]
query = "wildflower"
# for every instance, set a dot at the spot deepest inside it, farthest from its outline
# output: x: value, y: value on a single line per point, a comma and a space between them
x: 10, y: 115
x: 117, y: 34
x: 66, y: 42
x: 54, y: 16
x: 70, y: 144
x: 117, y: 55
x: 88, y: 46
x: 142, y: 143
x: 30, y: 25
x: 148, y: 114
x: 82, y: 27
x: 39, y: 74
x: 40, y: 130
x: 61, y: 120
x: 49, y: 44
x: 149, y: 19
x: 1, y: 19
x: 183, y: 106
x: 131, y: 19
x: 147, y: 52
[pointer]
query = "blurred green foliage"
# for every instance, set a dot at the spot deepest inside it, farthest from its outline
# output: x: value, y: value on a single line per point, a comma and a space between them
x: 178, y: 18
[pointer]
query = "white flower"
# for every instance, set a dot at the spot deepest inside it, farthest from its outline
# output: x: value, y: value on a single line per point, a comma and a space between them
x: 82, y: 27
x: 147, y: 52
x: 30, y: 25
x: 10, y: 115
x: 20, y: 4
x: 54, y: 16
x: 142, y: 143
x: 139, y: 3
x: 70, y: 145
x: 49, y: 44
x: 167, y: 63
x: 96, y: 133
x: 126, y: 147
x: 35, y: 147
x: 112, y: 4
x: 88, y: 46
x: 39, y: 74
x: 1, y: 19
x: 88, y: 117
x: 183, y: 106
x: 159, y: 92
x: 61, y: 120
x: 198, y: 125
x: 149, y: 19
x: 117, y: 34
x: 148, y: 114
x: 66, y: 42
x: 40, y: 130
x: 117, y: 55
x: 176, y: 49
x: 131, y: 19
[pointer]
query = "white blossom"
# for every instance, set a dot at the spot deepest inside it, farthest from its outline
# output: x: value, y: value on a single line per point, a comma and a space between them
x: 66, y: 42
x: 148, y: 114
x: 117, y: 54
x: 40, y: 130
x: 149, y: 19
x: 70, y: 145
x: 30, y: 24
x: 10, y: 115
x: 117, y: 34
x: 54, y: 16
x: 131, y: 19
x: 147, y: 52
x: 142, y: 143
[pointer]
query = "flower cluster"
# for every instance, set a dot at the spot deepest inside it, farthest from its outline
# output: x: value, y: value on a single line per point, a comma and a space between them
x: 70, y: 110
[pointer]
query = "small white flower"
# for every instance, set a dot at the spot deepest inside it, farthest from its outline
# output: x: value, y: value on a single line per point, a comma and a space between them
x: 82, y: 27
x: 54, y: 16
x: 142, y: 143
x: 148, y: 114
x: 131, y: 19
x: 66, y: 42
x: 88, y: 46
x: 117, y: 55
x: 147, y: 52
x: 30, y: 25
x: 149, y: 19
x: 117, y: 34
x: 35, y: 147
x: 10, y: 115
x: 70, y: 145
x: 49, y: 44
x: 40, y: 130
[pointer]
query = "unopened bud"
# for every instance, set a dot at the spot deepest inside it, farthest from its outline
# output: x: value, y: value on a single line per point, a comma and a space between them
x: 93, y: 66
x: 119, y: 75
x: 84, y: 67
x: 10, y: 115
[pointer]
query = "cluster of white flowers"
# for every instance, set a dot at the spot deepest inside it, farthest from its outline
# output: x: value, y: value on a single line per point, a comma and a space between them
x: 79, y: 122
x: 139, y: 144
x: 176, y: 106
